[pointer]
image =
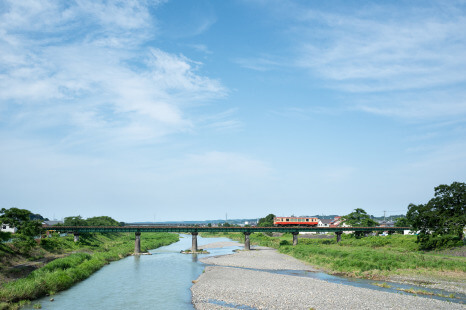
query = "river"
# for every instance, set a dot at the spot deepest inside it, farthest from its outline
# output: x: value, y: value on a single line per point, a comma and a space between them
x: 158, y: 281
x: 163, y: 281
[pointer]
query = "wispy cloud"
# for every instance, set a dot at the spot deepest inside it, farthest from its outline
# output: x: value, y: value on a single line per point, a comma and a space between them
x: 385, y: 49
x: 200, y: 48
x: 261, y: 63
x: 223, y: 121
x: 83, y: 67
x: 374, y: 52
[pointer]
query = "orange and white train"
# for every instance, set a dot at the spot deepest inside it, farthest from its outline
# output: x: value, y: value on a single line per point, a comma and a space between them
x: 295, y: 221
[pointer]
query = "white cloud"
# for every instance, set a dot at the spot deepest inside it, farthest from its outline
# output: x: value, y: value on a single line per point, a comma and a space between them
x: 369, y: 52
x: 82, y: 67
x: 403, y: 61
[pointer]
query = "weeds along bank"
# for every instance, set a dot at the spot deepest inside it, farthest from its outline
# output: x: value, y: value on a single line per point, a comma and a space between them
x: 91, y: 253
x: 374, y: 257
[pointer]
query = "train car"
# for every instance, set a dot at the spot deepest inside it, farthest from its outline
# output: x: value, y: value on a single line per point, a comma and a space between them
x: 295, y: 221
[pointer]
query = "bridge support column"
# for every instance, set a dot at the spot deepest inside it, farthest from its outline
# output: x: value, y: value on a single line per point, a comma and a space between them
x: 76, y: 237
x: 194, y: 244
x: 247, y: 242
x: 338, y: 233
x: 295, y: 238
x: 137, y: 242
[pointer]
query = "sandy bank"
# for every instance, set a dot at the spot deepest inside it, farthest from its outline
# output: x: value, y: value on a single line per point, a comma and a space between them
x: 226, y: 286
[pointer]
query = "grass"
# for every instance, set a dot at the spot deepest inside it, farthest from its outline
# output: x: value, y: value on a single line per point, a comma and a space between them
x: 385, y: 285
x: 373, y: 257
x: 423, y: 292
x: 92, y: 253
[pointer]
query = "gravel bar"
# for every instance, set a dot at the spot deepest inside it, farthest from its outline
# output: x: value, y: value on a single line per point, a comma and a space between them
x: 217, y: 245
x: 222, y: 286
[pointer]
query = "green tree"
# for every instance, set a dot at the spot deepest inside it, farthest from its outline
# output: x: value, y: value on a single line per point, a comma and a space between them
x: 359, y: 218
x: 4, y: 236
x: 266, y: 221
x: 75, y: 221
x: 441, y: 221
x: 20, y: 218
x: 102, y: 221
x: 402, y: 222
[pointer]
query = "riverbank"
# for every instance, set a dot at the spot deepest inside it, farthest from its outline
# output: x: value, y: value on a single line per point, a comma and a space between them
x: 91, y: 253
x: 246, y: 280
x: 390, y: 258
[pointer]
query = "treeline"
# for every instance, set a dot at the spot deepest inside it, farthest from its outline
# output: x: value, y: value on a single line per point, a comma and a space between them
x: 29, y: 226
x: 91, y: 221
x: 439, y: 223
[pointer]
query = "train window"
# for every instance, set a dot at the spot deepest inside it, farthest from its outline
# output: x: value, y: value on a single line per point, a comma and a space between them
x: 307, y: 220
x: 287, y: 220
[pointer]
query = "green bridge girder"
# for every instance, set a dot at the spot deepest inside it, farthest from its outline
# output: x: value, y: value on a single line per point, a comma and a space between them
x: 192, y: 229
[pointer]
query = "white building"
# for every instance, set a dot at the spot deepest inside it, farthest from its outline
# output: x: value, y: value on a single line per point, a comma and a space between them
x: 324, y: 222
x: 7, y: 228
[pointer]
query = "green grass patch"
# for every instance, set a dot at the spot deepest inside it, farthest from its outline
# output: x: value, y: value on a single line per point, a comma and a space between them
x: 368, y: 257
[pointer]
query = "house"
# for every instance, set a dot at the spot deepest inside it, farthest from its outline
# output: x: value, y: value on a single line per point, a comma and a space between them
x: 7, y: 228
x: 324, y: 222
x: 336, y: 221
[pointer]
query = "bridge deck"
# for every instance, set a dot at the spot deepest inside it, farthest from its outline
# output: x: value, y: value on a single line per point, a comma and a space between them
x: 192, y: 229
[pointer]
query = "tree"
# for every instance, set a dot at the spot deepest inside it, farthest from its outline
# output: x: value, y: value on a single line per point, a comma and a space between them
x: 402, y: 222
x: 359, y: 218
x: 75, y: 221
x: 441, y: 221
x: 101, y: 221
x: 266, y: 221
x: 20, y: 218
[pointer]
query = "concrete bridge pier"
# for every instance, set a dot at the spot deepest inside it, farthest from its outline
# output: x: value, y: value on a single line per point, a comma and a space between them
x: 76, y: 237
x: 194, y: 244
x: 247, y: 241
x: 295, y: 238
x: 338, y: 233
x: 137, y: 243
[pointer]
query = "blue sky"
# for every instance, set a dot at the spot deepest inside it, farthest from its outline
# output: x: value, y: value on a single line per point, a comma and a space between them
x: 187, y: 110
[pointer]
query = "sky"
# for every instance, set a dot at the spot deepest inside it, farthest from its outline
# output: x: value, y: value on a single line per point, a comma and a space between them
x: 193, y: 110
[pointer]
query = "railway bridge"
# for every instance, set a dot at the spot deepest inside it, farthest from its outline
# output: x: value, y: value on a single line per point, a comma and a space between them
x: 194, y: 231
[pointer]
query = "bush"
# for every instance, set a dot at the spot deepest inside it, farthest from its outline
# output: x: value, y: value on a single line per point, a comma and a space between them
x: 23, y: 244
x: 429, y: 242
x: 284, y: 242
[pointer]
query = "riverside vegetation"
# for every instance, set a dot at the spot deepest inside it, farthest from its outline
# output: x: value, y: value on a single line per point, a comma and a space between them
x: 83, y: 258
x: 373, y: 257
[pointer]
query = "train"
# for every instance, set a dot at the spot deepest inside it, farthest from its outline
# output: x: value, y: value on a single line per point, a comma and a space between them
x: 295, y: 221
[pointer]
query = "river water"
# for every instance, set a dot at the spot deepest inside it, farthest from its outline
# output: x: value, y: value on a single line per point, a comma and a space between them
x: 163, y: 281
x: 158, y: 281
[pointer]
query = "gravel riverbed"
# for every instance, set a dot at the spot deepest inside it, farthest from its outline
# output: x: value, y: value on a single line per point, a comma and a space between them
x: 226, y: 285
